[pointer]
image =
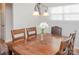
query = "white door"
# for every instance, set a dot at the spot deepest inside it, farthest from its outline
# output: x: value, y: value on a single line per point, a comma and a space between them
x: 1, y: 22
x: 2, y: 27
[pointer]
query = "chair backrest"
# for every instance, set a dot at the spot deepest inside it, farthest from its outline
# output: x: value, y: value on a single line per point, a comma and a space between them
x: 73, y: 35
x: 31, y: 33
x: 64, y: 47
x: 72, y: 40
x: 18, y: 34
x: 56, y: 30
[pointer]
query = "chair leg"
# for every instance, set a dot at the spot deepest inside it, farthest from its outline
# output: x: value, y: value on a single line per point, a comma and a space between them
x: 10, y: 52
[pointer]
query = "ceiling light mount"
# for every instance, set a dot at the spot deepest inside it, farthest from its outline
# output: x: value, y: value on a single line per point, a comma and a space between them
x: 40, y: 9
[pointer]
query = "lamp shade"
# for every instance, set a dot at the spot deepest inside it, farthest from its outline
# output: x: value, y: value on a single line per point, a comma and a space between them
x: 36, y: 13
x: 45, y: 14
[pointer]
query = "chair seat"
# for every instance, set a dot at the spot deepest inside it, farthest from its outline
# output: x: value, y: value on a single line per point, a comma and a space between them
x: 3, y: 49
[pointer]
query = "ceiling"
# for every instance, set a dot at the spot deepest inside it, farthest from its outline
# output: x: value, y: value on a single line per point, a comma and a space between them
x: 58, y: 4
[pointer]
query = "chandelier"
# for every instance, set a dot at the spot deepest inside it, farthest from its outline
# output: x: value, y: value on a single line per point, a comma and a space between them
x: 40, y: 10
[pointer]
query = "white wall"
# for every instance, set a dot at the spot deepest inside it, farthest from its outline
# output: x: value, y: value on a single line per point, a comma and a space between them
x: 22, y: 15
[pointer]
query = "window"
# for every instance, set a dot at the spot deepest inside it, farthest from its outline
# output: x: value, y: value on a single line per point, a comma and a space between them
x: 68, y: 12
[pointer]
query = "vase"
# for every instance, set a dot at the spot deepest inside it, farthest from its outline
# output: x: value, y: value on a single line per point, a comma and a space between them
x: 41, y: 36
x: 42, y: 33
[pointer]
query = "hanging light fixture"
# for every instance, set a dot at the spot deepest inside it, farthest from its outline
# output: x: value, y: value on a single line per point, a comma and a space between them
x: 40, y: 10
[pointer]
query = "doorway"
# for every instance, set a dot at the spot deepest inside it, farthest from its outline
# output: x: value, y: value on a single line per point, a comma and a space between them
x: 1, y: 22
x: 6, y: 20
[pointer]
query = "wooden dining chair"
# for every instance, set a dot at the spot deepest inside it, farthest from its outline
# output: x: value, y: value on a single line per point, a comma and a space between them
x: 56, y: 30
x: 72, y: 40
x: 31, y: 33
x: 63, y: 50
x: 74, y: 51
x: 18, y: 34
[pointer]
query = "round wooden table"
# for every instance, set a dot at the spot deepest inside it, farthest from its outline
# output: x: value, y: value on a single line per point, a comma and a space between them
x: 46, y: 45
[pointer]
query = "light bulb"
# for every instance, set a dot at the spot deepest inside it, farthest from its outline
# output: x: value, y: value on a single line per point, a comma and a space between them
x: 45, y: 14
x: 36, y: 13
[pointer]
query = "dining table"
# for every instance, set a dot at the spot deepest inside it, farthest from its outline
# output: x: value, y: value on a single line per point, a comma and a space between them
x: 47, y: 44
